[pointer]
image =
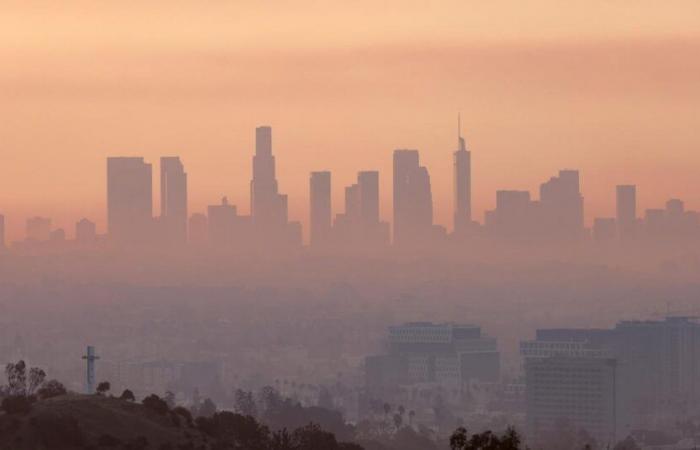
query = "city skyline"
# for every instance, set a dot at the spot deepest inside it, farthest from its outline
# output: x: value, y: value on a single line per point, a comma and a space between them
x: 540, y: 88
x: 553, y: 195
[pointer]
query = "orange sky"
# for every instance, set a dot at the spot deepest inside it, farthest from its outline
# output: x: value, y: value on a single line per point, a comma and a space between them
x: 609, y: 87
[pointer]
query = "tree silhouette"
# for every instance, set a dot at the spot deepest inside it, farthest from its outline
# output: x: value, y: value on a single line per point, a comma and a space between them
x: 103, y: 387
x: 16, y: 378
x: 36, y: 379
x: 127, y: 395
x: 52, y: 388
x: 460, y: 440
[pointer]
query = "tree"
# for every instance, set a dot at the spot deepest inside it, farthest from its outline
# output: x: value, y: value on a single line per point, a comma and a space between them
x: 185, y: 414
x: 103, y: 387
x: 312, y: 437
x: 244, y: 403
x: 207, y: 409
x: 387, y: 409
x: 36, y: 379
x: 398, y: 420
x: 156, y: 404
x: 627, y: 444
x: 169, y: 398
x: 460, y: 440
x: 128, y: 395
x: 16, y: 378
x: 52, y: 388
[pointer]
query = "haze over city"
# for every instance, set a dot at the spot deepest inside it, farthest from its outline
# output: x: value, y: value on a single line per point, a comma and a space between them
x: 604, y: 87
x: 350, y: 225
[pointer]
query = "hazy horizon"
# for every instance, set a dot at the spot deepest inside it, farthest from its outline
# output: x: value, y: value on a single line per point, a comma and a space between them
x: 606, y: 88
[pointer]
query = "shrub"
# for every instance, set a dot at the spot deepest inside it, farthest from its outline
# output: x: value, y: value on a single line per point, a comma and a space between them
x: 52, y: 388
x: 127, y: 395
x: 155, y: 403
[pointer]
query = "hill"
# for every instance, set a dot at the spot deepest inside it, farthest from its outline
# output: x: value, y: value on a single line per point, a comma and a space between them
x: 95, y: 422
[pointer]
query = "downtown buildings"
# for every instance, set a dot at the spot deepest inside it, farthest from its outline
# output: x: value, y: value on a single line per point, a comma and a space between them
x: 444, y: 354
x: 556, y: 217
x: 609, y: 381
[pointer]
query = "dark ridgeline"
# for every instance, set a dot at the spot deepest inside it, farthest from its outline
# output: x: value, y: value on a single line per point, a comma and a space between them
x: 556, y: 217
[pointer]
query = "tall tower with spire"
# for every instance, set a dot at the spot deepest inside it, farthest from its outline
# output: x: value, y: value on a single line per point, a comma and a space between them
x: 462, y: 183
x: 267, y: 206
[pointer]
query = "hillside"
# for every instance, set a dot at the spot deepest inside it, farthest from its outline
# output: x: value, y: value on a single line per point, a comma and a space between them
x: 95, y: 422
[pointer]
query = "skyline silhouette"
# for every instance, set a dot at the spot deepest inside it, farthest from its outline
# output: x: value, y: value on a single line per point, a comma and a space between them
x: 556, y: 214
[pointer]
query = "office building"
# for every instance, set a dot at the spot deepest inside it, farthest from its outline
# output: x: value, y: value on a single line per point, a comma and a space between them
x: 198, y: 230
x: 573, y: 381
x: 604, y: 229
x: 657, y: 371
x: 561, y: 204
x: 268, y: 207
x: 221, y: 221
x: 129, y: 200
x: 368, y: 186
x: 320, y: 212
x: 413, y: 203
x: 514, y: 216
x: 626, y: 207
x: 462, y: 185
x: 57, y: 236
x: 359, y: 225
x: 85, y: 232
x: 173, y: 201
x: 445, y: 354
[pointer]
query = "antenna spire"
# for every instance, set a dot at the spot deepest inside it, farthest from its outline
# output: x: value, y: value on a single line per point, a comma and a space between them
x: 459, y: 125
x: 460, y: 140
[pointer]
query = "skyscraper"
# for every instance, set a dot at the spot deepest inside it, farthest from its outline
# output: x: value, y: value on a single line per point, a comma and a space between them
x: 413, y: 204
x: 320, y: 207
x: 514, y: 215
x: 573, y: 380
x: 268, y: 207
x: 129, y: 200
x: 85, y: 232
x: 173, y: 200
x: 562, y: 205
x: 359, y: 226
x: 222, y: 220
x: 626, y: 205
x: 368, y: 183
x: 462, y: 184
x: 198, y: 230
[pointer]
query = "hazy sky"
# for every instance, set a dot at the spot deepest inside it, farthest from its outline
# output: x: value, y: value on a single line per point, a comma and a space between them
x: 609, y: 87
